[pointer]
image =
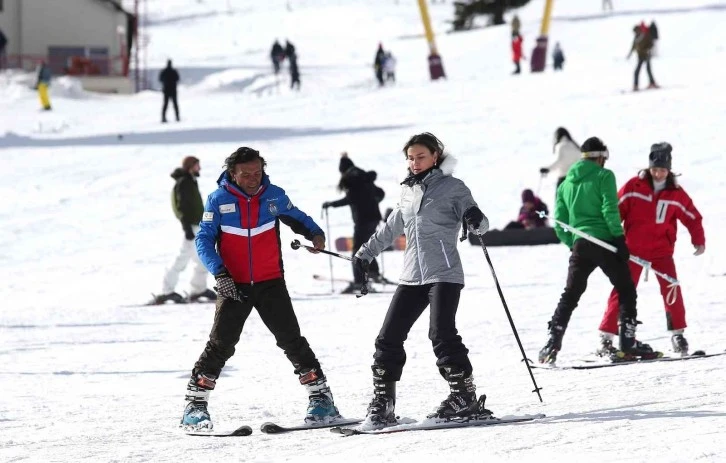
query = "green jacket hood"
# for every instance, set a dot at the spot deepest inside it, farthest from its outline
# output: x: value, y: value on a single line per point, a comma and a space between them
x: 582, y: 170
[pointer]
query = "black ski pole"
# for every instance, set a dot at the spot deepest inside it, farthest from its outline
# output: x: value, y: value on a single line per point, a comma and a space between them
x: 509, y: 316
x: 297, y: 245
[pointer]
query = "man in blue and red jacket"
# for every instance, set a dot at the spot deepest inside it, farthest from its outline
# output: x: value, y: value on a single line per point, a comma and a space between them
x: 239, y: 243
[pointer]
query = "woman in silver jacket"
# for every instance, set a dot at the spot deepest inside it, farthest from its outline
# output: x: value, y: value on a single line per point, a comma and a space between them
x: 432, y: 206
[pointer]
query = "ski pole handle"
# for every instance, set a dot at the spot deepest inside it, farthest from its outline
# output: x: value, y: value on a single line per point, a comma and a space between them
x: 297, y: 245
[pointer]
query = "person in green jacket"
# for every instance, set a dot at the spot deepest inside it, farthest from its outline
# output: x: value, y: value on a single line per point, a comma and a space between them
x: 587, y: 200
x: 186, y: 202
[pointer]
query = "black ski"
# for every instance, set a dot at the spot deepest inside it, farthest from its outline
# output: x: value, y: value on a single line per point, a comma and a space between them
x: 593, y: 364
x: 239, y: 432
x: 273, y: 428
x: 430, y: 425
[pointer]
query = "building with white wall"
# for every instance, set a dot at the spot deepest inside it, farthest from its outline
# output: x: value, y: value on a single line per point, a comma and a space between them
x: 90, y: 39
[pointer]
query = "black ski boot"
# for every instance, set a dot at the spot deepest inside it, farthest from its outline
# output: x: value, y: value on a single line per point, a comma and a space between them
x: 548, y: 354
x: 680, y: 345
x: 381, y: 411
x: 630, y: 348
x: 207, y: 294
x: 461, y: 402
x: 163, y: 298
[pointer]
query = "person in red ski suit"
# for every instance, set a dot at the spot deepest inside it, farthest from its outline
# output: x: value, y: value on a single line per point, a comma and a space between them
x: 650, y: 205
x: 517, y: 52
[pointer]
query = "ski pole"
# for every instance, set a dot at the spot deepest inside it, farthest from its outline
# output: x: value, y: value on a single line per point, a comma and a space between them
x: 297, y: 245
x: 509, y: 316
x: 330, y: 258
x: 672, y: 292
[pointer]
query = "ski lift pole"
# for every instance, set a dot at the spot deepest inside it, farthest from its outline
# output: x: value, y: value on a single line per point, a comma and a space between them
x: 647, y: 265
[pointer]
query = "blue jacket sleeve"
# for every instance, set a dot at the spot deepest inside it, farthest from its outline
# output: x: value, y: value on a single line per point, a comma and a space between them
x: 297, y: 220
x: 206, y: 239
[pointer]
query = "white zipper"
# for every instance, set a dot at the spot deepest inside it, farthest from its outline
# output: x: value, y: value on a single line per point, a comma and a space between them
x: 444, y: 252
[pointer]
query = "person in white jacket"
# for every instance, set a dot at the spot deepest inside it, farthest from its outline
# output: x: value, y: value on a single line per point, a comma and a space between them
x: 568, y: 153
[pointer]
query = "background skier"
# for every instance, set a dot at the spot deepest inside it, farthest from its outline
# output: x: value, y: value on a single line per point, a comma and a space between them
x: 651, y: 204
x: 363, y: 196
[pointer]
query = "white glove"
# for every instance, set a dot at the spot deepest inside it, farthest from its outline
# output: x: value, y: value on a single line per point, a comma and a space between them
x: 700, y: 250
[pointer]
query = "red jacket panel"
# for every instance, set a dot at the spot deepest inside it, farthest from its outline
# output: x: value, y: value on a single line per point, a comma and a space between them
x: 517, y: 48
x: 650, y: 219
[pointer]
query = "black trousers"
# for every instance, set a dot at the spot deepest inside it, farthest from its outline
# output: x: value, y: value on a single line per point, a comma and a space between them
x: 406, y: 307
x: 647, y: 68
x: 361, y: 234
x: 167, y: 97
x: 273, y: 303
x: 585, y: 258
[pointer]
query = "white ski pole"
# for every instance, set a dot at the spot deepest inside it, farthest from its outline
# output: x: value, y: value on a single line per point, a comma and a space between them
x: 670, y: 298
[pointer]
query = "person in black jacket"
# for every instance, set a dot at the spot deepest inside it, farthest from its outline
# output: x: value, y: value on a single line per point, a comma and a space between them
x: 186, y: 201
x: 277, y: 54
x: 169, y: 77
x: 363, y: 196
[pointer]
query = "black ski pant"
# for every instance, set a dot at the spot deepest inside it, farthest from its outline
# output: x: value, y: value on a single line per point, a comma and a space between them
x: 361, y: 234
x: 273, y: 303
x: 406, y: 307
x: 169, y: 96
x: 647, y: 68
x: 585, y: 258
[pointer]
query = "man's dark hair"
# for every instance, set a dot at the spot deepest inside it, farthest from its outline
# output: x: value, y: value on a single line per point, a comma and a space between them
x: 428, y: 140
x: 241, y: 156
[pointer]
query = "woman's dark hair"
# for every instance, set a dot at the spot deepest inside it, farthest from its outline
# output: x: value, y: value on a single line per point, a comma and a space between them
x: 241, y: 156
x: 670, y: 178
x: 428, y: 140
x: 561, y: 133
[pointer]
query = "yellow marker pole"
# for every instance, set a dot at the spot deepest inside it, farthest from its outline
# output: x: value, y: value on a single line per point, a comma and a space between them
x: 436, y: 66
x: 539, y: 54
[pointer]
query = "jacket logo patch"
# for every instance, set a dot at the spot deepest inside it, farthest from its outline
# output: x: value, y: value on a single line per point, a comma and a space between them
x: 208, y: 217
x: 226, y: 208
x: 272, y: 207
x: 289, y: 204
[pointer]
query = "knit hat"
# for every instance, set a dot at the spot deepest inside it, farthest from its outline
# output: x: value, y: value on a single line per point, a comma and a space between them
x: 660, y: 155
x: 189, y: 162
x: 594, y: 148
x: 527, y: 196
x: 345, y: 163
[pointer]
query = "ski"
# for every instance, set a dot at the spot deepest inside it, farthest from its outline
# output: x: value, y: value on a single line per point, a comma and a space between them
x: 432, y: 425
x: 239, y: 432
x: 380, y: 280
x: 273, y: 428
x: 588, y: 364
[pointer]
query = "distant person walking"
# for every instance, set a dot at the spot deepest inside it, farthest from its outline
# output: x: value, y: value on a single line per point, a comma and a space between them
x: 44, y: 76
x: 169, y: 78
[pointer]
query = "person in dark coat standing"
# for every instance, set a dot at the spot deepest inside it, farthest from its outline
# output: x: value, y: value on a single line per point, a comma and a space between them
x: 558, y: 57
x: 294, y: 72
x: 169, y: 78
x: 277, y: 54
x: 3, y: 43
x: 378, y: 63
x: 363, y: 196
x: 643, y: 46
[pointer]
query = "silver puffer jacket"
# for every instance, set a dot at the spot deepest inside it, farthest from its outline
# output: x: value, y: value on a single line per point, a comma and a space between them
x: 430, y: 215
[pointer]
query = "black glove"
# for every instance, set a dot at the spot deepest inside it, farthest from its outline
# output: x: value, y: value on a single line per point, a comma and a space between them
x: 544, y: 171
x: 475, y: 220
x: 188, y: 233
x: 326, y: 205
x: 361, y: 264
x: 622, y: 248
x: 226, y: 286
